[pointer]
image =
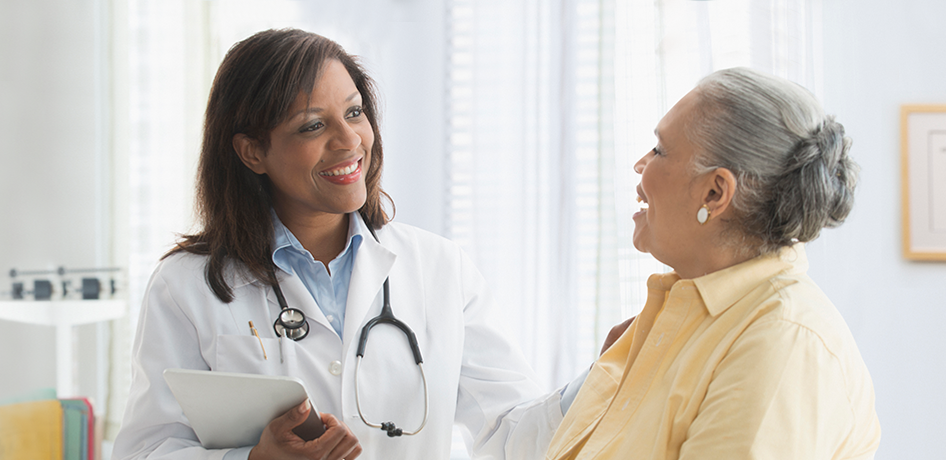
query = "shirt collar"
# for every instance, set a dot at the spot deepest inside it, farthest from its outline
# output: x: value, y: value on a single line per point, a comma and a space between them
x: 721, y: 289
x: 284, y: 240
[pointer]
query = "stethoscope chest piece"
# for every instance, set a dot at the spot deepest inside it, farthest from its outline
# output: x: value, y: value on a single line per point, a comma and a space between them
x: 291, y: 323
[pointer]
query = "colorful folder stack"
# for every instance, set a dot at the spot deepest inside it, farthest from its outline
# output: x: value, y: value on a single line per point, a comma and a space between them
x: 48, y: 429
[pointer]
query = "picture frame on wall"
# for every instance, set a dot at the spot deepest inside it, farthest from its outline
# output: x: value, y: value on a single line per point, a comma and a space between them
x: 923, y: 169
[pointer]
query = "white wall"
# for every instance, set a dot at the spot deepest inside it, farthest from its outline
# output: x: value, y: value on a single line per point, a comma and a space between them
x: 879, y: 55
x: 53, y: 176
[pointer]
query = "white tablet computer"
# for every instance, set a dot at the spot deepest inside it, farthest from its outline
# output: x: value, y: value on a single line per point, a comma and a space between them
x: 228, y: 409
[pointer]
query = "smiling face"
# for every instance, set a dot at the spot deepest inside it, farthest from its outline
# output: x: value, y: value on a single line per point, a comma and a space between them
x: 318, y: 156
x: 667, y: 227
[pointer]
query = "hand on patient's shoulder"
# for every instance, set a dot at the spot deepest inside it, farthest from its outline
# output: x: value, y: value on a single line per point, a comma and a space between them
x: 279, y: 441
x: 615, y: 334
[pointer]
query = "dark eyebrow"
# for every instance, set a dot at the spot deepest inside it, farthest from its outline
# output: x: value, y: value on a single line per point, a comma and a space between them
x: 319, y: 109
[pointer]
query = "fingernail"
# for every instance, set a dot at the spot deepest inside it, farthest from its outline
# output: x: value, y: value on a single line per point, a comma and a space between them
x: 304, y: 407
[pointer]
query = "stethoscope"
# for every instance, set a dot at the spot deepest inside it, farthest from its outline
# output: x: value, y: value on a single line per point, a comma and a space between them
x: 292, y: 323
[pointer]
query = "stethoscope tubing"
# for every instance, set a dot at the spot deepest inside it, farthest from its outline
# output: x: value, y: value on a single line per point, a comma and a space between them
x: 387, y: 317
x: 292, y: 323
x: 388, y: 426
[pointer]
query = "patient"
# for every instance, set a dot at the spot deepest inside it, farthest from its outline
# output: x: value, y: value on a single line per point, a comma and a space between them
x: 737, y: 353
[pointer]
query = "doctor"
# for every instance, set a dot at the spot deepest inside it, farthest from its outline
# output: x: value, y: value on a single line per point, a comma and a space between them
x: 288, y: 193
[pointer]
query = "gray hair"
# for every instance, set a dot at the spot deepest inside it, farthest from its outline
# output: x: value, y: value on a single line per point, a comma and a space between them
x: 794, y: 176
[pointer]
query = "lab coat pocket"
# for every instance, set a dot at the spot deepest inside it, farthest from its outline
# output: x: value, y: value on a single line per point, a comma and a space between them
x: 248, y: 354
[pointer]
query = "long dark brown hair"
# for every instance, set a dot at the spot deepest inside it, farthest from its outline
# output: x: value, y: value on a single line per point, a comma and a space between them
x: 257, y: 82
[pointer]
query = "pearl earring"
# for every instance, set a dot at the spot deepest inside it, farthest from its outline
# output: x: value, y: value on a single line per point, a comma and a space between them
x: 703, y: 215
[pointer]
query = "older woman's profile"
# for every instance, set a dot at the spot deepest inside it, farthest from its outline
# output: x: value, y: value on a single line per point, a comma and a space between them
x: 737, y: 353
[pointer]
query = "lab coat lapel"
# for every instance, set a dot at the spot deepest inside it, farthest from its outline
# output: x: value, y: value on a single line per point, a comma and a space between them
x: 372, y: 265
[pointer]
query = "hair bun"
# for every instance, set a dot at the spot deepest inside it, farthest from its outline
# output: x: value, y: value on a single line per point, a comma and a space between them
x: 832, y: 144
x: 817, y: 188
x: 822, y: 145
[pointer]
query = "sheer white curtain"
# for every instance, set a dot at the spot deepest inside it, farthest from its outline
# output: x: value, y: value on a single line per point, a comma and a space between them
x: 523, y: 168
x: 158, y: 113
x: 550, y: 104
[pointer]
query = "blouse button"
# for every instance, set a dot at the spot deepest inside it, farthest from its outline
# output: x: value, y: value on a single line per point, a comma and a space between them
x: 335, y: 368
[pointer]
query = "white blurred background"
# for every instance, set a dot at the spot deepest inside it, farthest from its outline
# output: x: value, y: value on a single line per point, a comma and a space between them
x: 509, y: 126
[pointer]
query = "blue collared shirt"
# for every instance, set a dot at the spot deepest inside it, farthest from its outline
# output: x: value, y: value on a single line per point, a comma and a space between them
x: 330, y: 291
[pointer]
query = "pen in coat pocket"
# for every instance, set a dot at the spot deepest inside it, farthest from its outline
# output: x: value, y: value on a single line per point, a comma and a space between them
x: 253, y: 330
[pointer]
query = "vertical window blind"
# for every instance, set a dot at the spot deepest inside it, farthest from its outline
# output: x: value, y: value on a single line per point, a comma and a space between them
x: 524, y: 118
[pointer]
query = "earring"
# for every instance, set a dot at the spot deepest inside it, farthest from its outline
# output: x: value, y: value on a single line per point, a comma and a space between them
x: 703, y: 215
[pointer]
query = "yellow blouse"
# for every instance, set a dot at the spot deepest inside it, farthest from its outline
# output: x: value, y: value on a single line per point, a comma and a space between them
x: 750, y: 362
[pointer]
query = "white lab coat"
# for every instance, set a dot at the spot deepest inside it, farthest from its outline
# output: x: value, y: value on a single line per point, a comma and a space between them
x: 476, y: 377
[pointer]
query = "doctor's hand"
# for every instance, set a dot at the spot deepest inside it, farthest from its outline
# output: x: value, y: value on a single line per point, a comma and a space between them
x: 279, y: 442
x: 615, y: 334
